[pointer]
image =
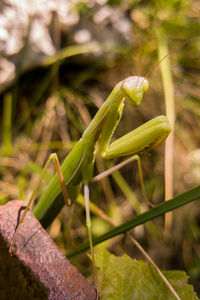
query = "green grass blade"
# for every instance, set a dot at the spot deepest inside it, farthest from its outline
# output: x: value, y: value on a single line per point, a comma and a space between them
x: 125, y: 188
x: 71, y: 51
x: 7, y: 124
x: 164, y: 207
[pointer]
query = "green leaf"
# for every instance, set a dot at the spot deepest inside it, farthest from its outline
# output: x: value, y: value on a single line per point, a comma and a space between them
x: 126, y: 278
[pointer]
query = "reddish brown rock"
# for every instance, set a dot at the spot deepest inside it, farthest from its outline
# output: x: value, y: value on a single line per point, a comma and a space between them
x: 38, y: 269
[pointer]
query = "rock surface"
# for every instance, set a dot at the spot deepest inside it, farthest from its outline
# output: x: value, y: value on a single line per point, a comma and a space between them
x: 37, y: 269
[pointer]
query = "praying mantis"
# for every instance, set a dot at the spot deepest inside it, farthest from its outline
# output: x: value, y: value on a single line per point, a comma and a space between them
x: 77, y: 168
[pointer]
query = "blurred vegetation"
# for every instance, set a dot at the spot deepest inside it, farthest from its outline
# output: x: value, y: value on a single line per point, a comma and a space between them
x: 48, y: 108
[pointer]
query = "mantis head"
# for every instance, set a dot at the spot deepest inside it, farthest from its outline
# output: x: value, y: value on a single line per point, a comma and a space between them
x: 134, y: 88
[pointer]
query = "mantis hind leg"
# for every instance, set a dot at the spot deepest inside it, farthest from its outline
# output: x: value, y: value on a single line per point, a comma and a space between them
x: 122, y: 164
x: 53, y: 157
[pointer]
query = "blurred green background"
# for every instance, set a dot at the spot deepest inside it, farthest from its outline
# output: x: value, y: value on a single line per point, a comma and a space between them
x: 52, y: 95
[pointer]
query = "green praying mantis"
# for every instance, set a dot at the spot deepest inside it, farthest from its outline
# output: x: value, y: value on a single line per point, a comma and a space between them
x: 77, y: 168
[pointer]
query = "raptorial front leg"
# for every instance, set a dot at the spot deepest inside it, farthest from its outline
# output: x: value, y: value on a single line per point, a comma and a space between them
x: 146, y: 137
x: 53, y: 157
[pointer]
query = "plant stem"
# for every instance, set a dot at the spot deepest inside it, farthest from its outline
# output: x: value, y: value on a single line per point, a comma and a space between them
x: 170, y: 112
x: 7, y: 124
